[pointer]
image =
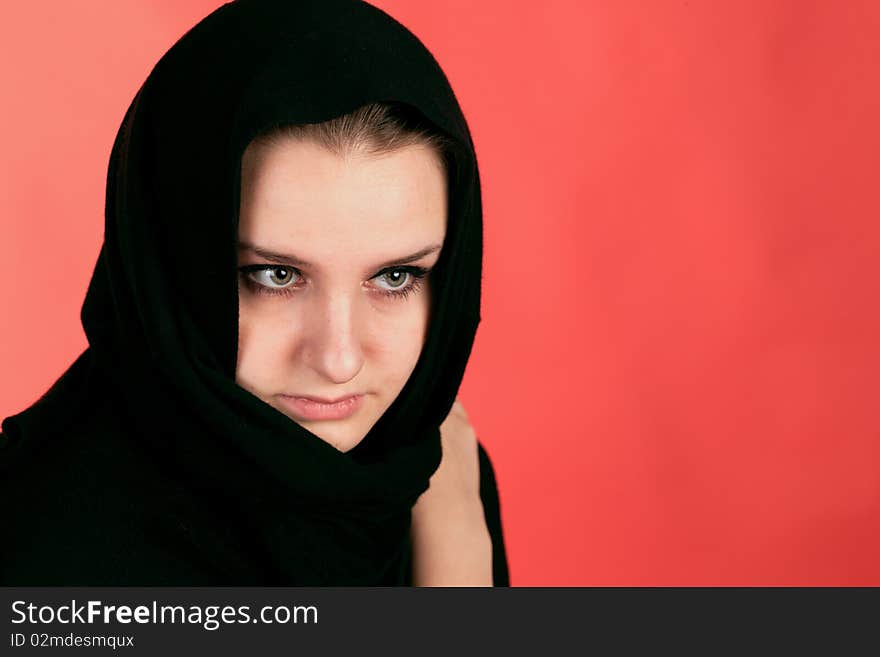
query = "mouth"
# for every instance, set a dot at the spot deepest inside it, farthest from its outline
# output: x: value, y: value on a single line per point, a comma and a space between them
x: 316, y: 409
x: 323, y: 400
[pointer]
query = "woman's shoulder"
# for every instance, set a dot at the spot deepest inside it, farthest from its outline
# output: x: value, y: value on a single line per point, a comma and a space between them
x: 492, y: 511
x: 76, y: 493
x: 86, y: 509
x: 61, y: 504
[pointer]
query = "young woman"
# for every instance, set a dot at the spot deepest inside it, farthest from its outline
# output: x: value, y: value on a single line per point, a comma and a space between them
x: 278, y: 324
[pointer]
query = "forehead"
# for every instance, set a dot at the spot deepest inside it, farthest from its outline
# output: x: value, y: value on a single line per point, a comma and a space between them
x: 299, y: 197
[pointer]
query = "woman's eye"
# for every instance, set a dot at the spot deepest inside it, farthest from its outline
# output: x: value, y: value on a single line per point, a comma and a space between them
x: 281, y: 280
x: 396, y: 278
x: 274, y: 277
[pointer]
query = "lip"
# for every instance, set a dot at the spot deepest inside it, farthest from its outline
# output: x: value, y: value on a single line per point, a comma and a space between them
x: 314, y: 408
x: 323, y: 400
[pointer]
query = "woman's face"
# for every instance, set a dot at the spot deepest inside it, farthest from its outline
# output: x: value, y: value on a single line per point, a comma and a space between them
x: 330, y: 304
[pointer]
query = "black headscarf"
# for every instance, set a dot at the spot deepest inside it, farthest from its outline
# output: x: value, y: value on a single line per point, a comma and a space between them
x: 199, y: 481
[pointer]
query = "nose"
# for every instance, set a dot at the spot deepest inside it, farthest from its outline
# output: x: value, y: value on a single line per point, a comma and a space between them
x: 334, y: 349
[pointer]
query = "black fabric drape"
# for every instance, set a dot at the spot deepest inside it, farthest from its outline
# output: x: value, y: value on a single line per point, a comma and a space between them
x: 146, y: 463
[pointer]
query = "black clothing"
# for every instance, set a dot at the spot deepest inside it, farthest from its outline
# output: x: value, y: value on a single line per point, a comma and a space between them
x: 146, y: 464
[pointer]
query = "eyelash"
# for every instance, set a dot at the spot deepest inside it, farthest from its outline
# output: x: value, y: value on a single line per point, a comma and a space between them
x: 417, y: 275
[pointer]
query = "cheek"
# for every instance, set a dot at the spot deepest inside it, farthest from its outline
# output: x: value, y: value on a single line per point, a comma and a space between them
x: 258, y: 341
x: 245, y: 338
x: 403, y: 345
x: 426, y: 309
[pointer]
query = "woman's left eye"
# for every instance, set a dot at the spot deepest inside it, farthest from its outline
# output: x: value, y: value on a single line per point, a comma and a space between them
x: 402, y: 282
x: 280, y: 279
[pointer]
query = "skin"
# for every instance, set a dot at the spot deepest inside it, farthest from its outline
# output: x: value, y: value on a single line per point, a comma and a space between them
x: 451, y: 542
x: 336, y: 334
x: 329, y: 330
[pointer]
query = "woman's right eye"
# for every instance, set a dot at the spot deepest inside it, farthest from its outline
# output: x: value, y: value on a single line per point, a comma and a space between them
x: 270, y: 277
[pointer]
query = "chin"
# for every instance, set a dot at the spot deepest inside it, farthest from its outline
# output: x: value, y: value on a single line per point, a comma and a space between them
x: 343, y: 443
x: 341, y: 437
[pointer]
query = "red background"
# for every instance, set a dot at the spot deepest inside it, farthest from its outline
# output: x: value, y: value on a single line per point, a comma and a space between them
x: 676, y: 373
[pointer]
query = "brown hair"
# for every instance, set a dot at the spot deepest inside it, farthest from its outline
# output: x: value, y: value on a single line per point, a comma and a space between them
x: 374, y: 129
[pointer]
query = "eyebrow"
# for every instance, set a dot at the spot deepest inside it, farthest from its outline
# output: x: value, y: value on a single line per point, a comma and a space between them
x: 294, y: 261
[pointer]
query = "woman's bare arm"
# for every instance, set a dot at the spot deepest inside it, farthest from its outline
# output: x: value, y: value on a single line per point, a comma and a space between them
x: 451, y: 542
